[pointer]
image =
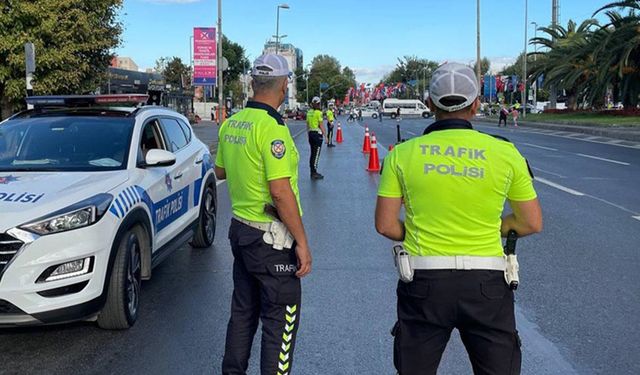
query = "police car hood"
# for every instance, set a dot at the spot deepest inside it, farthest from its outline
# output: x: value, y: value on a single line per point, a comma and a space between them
x: 25, y: 196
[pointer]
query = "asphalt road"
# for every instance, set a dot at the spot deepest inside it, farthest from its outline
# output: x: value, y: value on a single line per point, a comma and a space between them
x: 577, y: 306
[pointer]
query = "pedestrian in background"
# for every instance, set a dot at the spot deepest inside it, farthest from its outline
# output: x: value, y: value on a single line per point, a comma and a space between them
x: 515, y: 113
x: 503, y: 115
x: 456, y: 180
x: 258, y: 158
x: 316, y: 136
x: 380, y: 113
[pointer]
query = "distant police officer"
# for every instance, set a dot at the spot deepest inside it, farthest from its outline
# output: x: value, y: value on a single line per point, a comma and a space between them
x: 453, y: 181
x: 316, y: 136
x: 330, y: 119
x: 257, y: 156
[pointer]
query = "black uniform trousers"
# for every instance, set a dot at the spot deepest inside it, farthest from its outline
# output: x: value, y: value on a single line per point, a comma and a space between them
x: 265, y: 289
x: 478, y: 303
x: 315, y: 141
x: 330, y: 132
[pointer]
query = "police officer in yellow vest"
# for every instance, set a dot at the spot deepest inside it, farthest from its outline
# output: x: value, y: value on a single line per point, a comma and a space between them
x: 258, y: 158
x: 453, y: 182
x: 316, y: 136
x: 330, y: 119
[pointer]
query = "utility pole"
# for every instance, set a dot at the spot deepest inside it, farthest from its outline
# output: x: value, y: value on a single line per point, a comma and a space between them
x: 219, y: 66
x: 478, y: 71
x: 553, y: 94
x: 524, y: 64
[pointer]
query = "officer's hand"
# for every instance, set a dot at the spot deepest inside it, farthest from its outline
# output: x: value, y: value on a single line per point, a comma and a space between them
x: 304, y: 261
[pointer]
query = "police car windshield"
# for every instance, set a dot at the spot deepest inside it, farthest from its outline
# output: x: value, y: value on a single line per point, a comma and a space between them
x: 65, y: 144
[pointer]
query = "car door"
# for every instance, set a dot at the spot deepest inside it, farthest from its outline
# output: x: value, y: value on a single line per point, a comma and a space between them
x: 156, y: 183
x: 175, y: 208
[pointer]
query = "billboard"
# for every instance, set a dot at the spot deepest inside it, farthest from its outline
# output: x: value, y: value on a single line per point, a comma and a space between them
x: 204, y: 56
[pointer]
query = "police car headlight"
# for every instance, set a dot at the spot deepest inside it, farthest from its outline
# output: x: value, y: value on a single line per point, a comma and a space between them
x: 79, y: 215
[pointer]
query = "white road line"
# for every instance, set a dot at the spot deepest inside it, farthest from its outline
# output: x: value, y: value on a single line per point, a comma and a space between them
x: 603, y: 159
x: 542, y: 147
x: 547, y: 172
x: 559, y: 187
x: 218, y: 183
x: 636, y: 217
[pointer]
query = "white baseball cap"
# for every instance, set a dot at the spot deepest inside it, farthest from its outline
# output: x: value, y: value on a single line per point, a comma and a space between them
x: 270, y: 65
x: 453, y: 81
x: 316, y: 99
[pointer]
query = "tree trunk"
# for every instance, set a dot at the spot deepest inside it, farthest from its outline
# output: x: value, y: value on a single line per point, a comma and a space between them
x: 6, y: 108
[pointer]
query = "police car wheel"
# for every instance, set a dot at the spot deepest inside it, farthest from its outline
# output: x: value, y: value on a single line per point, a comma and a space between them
x: 206, y: 230
x: 123, y: 296
x: 425, y: 114
x: 375, y: 115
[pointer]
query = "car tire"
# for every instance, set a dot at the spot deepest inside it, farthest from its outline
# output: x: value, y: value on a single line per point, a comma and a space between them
x: 425, y: 114
x: 374, y: 116
x: 123, y: 296
x: 206, y: 227
x: 393, y: 115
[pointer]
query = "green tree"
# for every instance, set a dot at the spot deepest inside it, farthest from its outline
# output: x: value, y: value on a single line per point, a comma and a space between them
x: 617, y: 50
x: 236, y: 55
x: 485, y: 65
x: 175, y: 72
x: 73, y: 39
x: 327, y: 69
x: 568, y: 60
x: 411, y: 69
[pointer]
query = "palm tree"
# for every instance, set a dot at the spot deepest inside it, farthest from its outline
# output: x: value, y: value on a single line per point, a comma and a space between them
x: 618, y: 51
x: 568, y: 60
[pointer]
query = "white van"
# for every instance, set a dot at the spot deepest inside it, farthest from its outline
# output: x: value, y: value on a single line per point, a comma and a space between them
x: 408, y: 107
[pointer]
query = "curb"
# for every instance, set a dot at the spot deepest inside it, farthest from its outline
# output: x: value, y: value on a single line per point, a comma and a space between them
x: 622, y: 133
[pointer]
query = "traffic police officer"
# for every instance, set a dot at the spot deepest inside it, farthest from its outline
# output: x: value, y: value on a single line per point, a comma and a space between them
x: 257, y: 156
x: 316, y: 136
x: 453, y: 181
x: 330, y: 119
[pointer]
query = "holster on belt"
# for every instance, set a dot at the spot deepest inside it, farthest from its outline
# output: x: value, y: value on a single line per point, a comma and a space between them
x: 278, y: 236
x: 402, y: 261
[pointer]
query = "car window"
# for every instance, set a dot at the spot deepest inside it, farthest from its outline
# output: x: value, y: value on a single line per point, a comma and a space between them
x: 151, y: 138
x: 176, y: 139
x: 65, y: 144
x: 186, y: 129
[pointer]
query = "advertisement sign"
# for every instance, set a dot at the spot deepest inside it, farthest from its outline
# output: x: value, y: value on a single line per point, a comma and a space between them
x: 204, y: 56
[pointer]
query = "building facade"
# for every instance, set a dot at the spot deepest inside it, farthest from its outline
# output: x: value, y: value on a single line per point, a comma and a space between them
x: 295, y: 59
x: 125, y: 63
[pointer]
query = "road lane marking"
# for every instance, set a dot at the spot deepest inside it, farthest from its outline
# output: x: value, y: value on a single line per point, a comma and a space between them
x: 636, y: 217
x: 603, y: 159
x: 548, y: 172
x: 559, y: 187
x: 542, y: 147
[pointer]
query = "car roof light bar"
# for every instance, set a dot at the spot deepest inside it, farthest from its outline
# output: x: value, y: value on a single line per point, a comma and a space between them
x: 87, y: 100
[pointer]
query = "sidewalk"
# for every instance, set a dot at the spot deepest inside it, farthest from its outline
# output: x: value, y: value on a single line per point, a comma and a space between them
x: 617, y: 132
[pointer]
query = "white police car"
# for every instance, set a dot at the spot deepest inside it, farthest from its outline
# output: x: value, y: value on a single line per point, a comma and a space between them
x: 91, y: 198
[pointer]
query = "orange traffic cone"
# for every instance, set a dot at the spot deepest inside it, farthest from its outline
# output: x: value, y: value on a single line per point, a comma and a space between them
x: 374, y: 161
x: 366, y: 146
x: 339, y: 134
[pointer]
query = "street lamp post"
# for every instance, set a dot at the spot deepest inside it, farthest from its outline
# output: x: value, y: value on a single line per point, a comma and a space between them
x: 283, y: 6
x: 524, y: 57
x: 535, y: 56
x: 219, y: 66
x: 478, y: 71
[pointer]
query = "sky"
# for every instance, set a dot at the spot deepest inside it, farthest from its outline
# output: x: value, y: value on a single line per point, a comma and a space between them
x: 368, y: 36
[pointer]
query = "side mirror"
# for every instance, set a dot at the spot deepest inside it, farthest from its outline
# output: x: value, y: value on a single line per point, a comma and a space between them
x: 159, y: 158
